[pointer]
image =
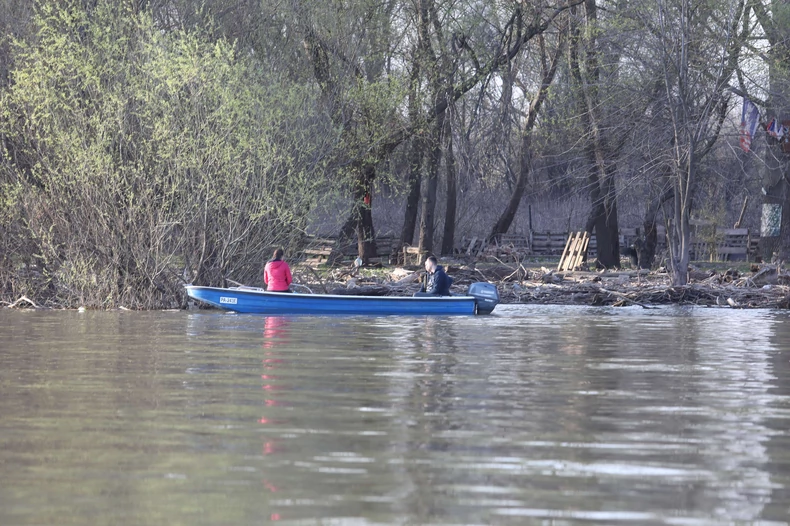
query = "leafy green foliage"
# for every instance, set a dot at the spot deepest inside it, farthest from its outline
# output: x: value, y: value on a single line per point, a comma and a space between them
x: 136, y: 160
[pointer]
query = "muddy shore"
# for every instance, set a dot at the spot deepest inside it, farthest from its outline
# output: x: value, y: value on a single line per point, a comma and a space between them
x: 750, y: 287
x: 766, y: 286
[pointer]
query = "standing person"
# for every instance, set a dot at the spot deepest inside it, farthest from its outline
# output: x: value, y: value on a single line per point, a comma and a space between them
x: 277, y: 273
x: 438, y: 281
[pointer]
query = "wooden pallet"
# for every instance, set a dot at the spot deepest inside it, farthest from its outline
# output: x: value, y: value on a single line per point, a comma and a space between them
x: 516, y: 241
x: 548, y: 243
x: 731, y: 244
x: 474, y: 247
x: 321, y: 251
x: 507, y: 247
x: 413, y: 255
x: 574, y: 252
x: 327, y: 250
x: 734, y: 245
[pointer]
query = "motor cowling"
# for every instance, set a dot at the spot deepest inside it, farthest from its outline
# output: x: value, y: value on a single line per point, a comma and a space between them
x: 486, y: 296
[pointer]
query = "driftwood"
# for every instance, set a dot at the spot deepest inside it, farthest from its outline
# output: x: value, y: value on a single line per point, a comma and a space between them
x: 763, y: 288
x: 24, y: 299
x: 316, y: 276
x: 411, y: 278
x: 694, y: 294
x: 767, y: 286
x: 305, y: 287
x: 625, y: 297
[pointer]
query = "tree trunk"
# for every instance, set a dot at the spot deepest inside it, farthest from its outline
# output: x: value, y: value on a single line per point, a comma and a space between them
x: 648, y: 252
x: 506, y: 219
x: 432, y: 185
x: 448, y: 237
x: 359, y: 223
x: 606, y: 228
x: 413, y: 197
x: 366, y: 242
x: 680, y: 241
x: 603, y: 218
x: 416, y: 155
x: 776, y: 197
x: 599, y: 152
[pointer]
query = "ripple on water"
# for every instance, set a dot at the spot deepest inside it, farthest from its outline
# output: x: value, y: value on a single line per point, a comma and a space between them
x: 535, y: 415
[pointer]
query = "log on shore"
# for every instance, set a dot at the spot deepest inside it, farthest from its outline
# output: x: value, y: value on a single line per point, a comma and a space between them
x: 730, y: 296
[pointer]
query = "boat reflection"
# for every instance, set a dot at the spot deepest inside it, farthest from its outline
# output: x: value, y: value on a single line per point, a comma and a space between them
x: 275, y: 330
x: 275, y: 333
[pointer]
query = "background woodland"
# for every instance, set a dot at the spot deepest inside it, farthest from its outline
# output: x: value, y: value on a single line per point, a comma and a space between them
x: 145, y: 144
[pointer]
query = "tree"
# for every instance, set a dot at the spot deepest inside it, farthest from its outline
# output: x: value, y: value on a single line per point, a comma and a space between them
x: 692, y: 37
x: 549, y: 66
x: 521, y: 28
x: 135, y: 160
x: 774, y: 18
x: 359, y: 98
x: 601, y: 147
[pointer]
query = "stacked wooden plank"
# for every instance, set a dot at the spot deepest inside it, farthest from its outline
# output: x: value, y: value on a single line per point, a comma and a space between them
x: 548, y: 243
x: 320, y: 251
x: 734, y: 245
x: 473, y: 247
x: 575, y: 251
x: 509, y: 247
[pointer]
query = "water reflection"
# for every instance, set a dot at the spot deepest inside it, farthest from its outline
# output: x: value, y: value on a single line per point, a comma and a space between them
x: 536, y: 415
x: 276, y: 327
x: 275, y: 333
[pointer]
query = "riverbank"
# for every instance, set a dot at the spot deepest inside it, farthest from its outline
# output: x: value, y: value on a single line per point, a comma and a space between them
x: 766, y: 286
x: 747, y: 287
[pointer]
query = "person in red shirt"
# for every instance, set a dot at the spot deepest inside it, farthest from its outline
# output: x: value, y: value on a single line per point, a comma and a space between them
x: 277, y: 274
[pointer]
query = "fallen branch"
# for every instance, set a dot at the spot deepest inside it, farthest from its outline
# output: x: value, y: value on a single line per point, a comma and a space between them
x: 407, y: 280
x: 320, y: 281
x: 520, y: 267
x: 625, y: 298
x: 24, y: 299
x: 303, y: 286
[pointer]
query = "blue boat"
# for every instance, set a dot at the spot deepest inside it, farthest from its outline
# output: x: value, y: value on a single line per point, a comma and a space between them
x: 480, y: 299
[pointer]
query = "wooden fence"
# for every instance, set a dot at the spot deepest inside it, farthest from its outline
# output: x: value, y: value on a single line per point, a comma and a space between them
x: 724, y: 244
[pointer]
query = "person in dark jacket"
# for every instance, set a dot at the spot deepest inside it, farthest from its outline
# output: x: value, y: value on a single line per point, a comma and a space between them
x: 277, y: 274
x: 438, y: 281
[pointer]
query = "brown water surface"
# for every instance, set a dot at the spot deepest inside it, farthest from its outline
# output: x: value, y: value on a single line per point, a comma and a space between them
x: 536, y: 415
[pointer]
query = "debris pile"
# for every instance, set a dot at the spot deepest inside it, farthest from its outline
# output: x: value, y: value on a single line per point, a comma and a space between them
x: 766, y: 286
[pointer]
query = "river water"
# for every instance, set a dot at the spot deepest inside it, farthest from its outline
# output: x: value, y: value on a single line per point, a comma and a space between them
x: 536, y: 415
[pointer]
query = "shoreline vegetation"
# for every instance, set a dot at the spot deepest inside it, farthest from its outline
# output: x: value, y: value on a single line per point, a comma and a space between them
x: 147, y: 145
x: 761, y: 287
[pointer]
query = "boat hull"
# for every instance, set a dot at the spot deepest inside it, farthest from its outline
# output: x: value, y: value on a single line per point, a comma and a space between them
x: 258, y: 301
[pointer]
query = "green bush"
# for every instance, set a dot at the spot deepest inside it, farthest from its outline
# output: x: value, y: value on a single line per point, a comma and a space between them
x: 135, y: 160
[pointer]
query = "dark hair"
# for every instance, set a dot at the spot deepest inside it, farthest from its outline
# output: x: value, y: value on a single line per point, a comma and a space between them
x: 433, y: 260
x: 278, y: 253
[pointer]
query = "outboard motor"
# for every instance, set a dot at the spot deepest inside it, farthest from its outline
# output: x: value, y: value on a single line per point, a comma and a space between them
x: 486, y: 296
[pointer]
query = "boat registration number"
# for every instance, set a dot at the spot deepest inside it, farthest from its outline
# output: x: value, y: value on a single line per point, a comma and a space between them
x: 227, y: 301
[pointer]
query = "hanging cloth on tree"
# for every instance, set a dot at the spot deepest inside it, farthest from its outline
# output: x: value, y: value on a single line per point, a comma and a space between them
x: 776, y: 129
x: 750, y: 117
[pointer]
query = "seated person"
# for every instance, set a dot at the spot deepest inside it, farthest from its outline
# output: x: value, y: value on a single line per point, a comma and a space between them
x: 277, y: 274
x: 438, y: 281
